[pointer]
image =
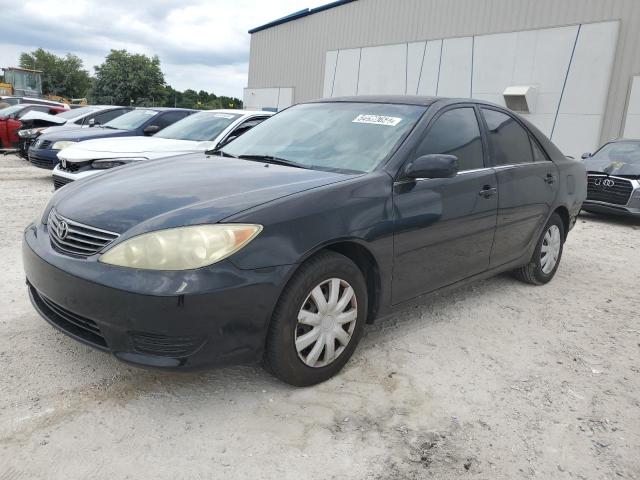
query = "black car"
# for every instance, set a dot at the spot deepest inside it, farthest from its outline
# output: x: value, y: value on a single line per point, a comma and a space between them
x: 142, y: 121
x: 282, y: 245
x: 613, y: 178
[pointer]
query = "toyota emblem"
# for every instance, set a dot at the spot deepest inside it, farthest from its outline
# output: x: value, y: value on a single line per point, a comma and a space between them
x: 62, y: 230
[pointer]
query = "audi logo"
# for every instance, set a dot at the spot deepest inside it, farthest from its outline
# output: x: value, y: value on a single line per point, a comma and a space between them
x: 604, y: 182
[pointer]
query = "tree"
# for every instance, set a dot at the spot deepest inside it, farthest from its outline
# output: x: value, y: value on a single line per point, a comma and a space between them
x: 64, y: 76
x: 125, y: 78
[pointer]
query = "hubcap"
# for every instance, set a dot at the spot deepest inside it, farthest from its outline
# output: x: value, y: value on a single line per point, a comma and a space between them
x: 550, y: 250
x: 326, y: 322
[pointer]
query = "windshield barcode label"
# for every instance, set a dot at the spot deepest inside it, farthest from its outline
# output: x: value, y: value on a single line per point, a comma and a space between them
x: 377, y: 120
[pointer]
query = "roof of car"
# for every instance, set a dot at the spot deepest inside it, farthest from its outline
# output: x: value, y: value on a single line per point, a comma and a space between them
x: 239, y: 111
x: 164, y: 109
x: 398, y: 99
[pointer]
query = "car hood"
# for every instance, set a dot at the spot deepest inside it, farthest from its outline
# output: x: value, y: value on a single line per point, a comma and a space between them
x: 148, y: 147
x: 81, y: 134
x: 61, y: 128
x: 44, y: 117
x: 615, y: 168
x: 187, y: 190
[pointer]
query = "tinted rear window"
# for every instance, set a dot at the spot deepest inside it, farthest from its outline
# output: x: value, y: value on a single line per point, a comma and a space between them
x: 509, y: 141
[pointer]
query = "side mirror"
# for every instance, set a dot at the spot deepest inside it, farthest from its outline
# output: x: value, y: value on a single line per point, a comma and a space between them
x: 151, y: 129
x: 432, y: 166
x: 586, y: 155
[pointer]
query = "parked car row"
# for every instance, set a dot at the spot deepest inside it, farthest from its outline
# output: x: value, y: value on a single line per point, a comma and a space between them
x: 207, y: 130
x: 89, y: 116
x: 278, y: 240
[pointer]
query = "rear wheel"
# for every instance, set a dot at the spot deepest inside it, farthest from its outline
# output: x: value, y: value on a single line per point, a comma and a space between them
x: 318, y: 320
x: 546, y: 257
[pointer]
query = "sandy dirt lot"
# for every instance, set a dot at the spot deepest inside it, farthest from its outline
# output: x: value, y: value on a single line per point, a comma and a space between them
x: 499, y: 380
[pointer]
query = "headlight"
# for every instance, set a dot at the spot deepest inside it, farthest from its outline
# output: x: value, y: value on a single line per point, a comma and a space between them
x: 113, y: 162
x: 182, y: 248
x: 30, y: 132
x: 62, y: 145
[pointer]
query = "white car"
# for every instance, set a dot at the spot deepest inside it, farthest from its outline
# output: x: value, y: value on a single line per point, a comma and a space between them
x: 202, y: 131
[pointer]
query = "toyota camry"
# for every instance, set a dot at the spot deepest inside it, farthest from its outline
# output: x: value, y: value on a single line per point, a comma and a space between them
x: 280, y: 246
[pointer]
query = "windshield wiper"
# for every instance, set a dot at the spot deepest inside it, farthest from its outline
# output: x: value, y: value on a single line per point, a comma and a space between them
x: 273, y: 160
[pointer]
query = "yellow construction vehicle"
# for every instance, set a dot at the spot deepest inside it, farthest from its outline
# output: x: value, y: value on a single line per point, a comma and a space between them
x: 21, y: 82
x: 24, y: 82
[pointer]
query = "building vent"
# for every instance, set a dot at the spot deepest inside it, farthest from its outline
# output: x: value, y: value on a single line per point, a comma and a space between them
x: 521, y: 99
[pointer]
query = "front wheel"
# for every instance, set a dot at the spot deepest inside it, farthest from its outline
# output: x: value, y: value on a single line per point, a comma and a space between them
x: 318, y: 320
x: 546, y: 257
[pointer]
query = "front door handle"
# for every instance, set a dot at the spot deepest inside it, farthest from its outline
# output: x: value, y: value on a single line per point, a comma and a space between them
x: 488, y: 191
x: 550, y: 178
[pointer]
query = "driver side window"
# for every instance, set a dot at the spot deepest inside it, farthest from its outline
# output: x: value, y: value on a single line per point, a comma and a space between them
x: 455, y: 132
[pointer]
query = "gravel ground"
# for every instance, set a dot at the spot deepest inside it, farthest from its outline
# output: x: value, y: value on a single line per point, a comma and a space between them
x: 498, y: 380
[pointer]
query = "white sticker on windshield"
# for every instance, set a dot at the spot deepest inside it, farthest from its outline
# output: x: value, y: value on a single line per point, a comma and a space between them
x: 223, y: 115
x: 377, y: 120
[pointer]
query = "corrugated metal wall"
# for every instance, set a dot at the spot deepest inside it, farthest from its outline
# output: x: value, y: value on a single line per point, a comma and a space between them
x: 293, y: 54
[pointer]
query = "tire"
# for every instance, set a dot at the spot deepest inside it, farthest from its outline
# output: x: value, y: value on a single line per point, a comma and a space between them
x: 536, y: 272
x: 282, y: 356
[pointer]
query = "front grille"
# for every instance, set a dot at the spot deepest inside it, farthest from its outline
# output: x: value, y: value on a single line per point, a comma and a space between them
x: 76, y: 239
x: 72, y: 323
x: 60, y: 181
x: 41, y: 162
x: 618, y: 193
x: 176, y: 347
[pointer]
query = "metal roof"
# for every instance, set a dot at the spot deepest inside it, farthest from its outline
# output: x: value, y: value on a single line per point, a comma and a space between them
x: 299, y: 14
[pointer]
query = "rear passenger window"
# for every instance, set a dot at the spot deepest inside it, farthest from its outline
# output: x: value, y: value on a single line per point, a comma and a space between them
x: 170, y: 118
x: 104, y: 117
x: 455, y: 132
x: 508, y: 140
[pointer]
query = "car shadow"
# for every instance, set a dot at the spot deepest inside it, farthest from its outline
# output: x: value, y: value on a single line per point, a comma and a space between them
x: 128, y: 381
x: 610, y: 219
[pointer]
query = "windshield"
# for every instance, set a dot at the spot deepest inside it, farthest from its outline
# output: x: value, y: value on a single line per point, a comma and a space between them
x: 621, y: 158
x: 76, y: 113
x: 5, y: 112
x: 10, y: 101
x: 352, y: 137
x: 198, y: 127
x: 131, y: 120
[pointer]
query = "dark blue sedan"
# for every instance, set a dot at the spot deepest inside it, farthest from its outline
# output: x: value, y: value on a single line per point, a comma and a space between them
x: 282, y: 245
x: 141, y: 121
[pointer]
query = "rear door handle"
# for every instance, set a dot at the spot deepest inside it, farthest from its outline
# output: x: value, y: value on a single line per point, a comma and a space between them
x: 550, y: 179
x: 488, y: 191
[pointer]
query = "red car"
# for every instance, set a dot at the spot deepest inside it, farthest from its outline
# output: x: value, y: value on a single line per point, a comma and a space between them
x: 10, y: 121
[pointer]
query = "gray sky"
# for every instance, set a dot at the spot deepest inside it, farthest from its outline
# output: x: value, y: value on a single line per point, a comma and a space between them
x: 202, y: 44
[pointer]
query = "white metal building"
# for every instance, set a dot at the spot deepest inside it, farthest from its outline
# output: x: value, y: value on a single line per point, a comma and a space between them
x: 571, y: 66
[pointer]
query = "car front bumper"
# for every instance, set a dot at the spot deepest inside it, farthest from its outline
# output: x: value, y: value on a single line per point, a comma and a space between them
x: 212, y: 316
x: 610, y: 208
x: 43, y: 158
x: 62, y: 177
